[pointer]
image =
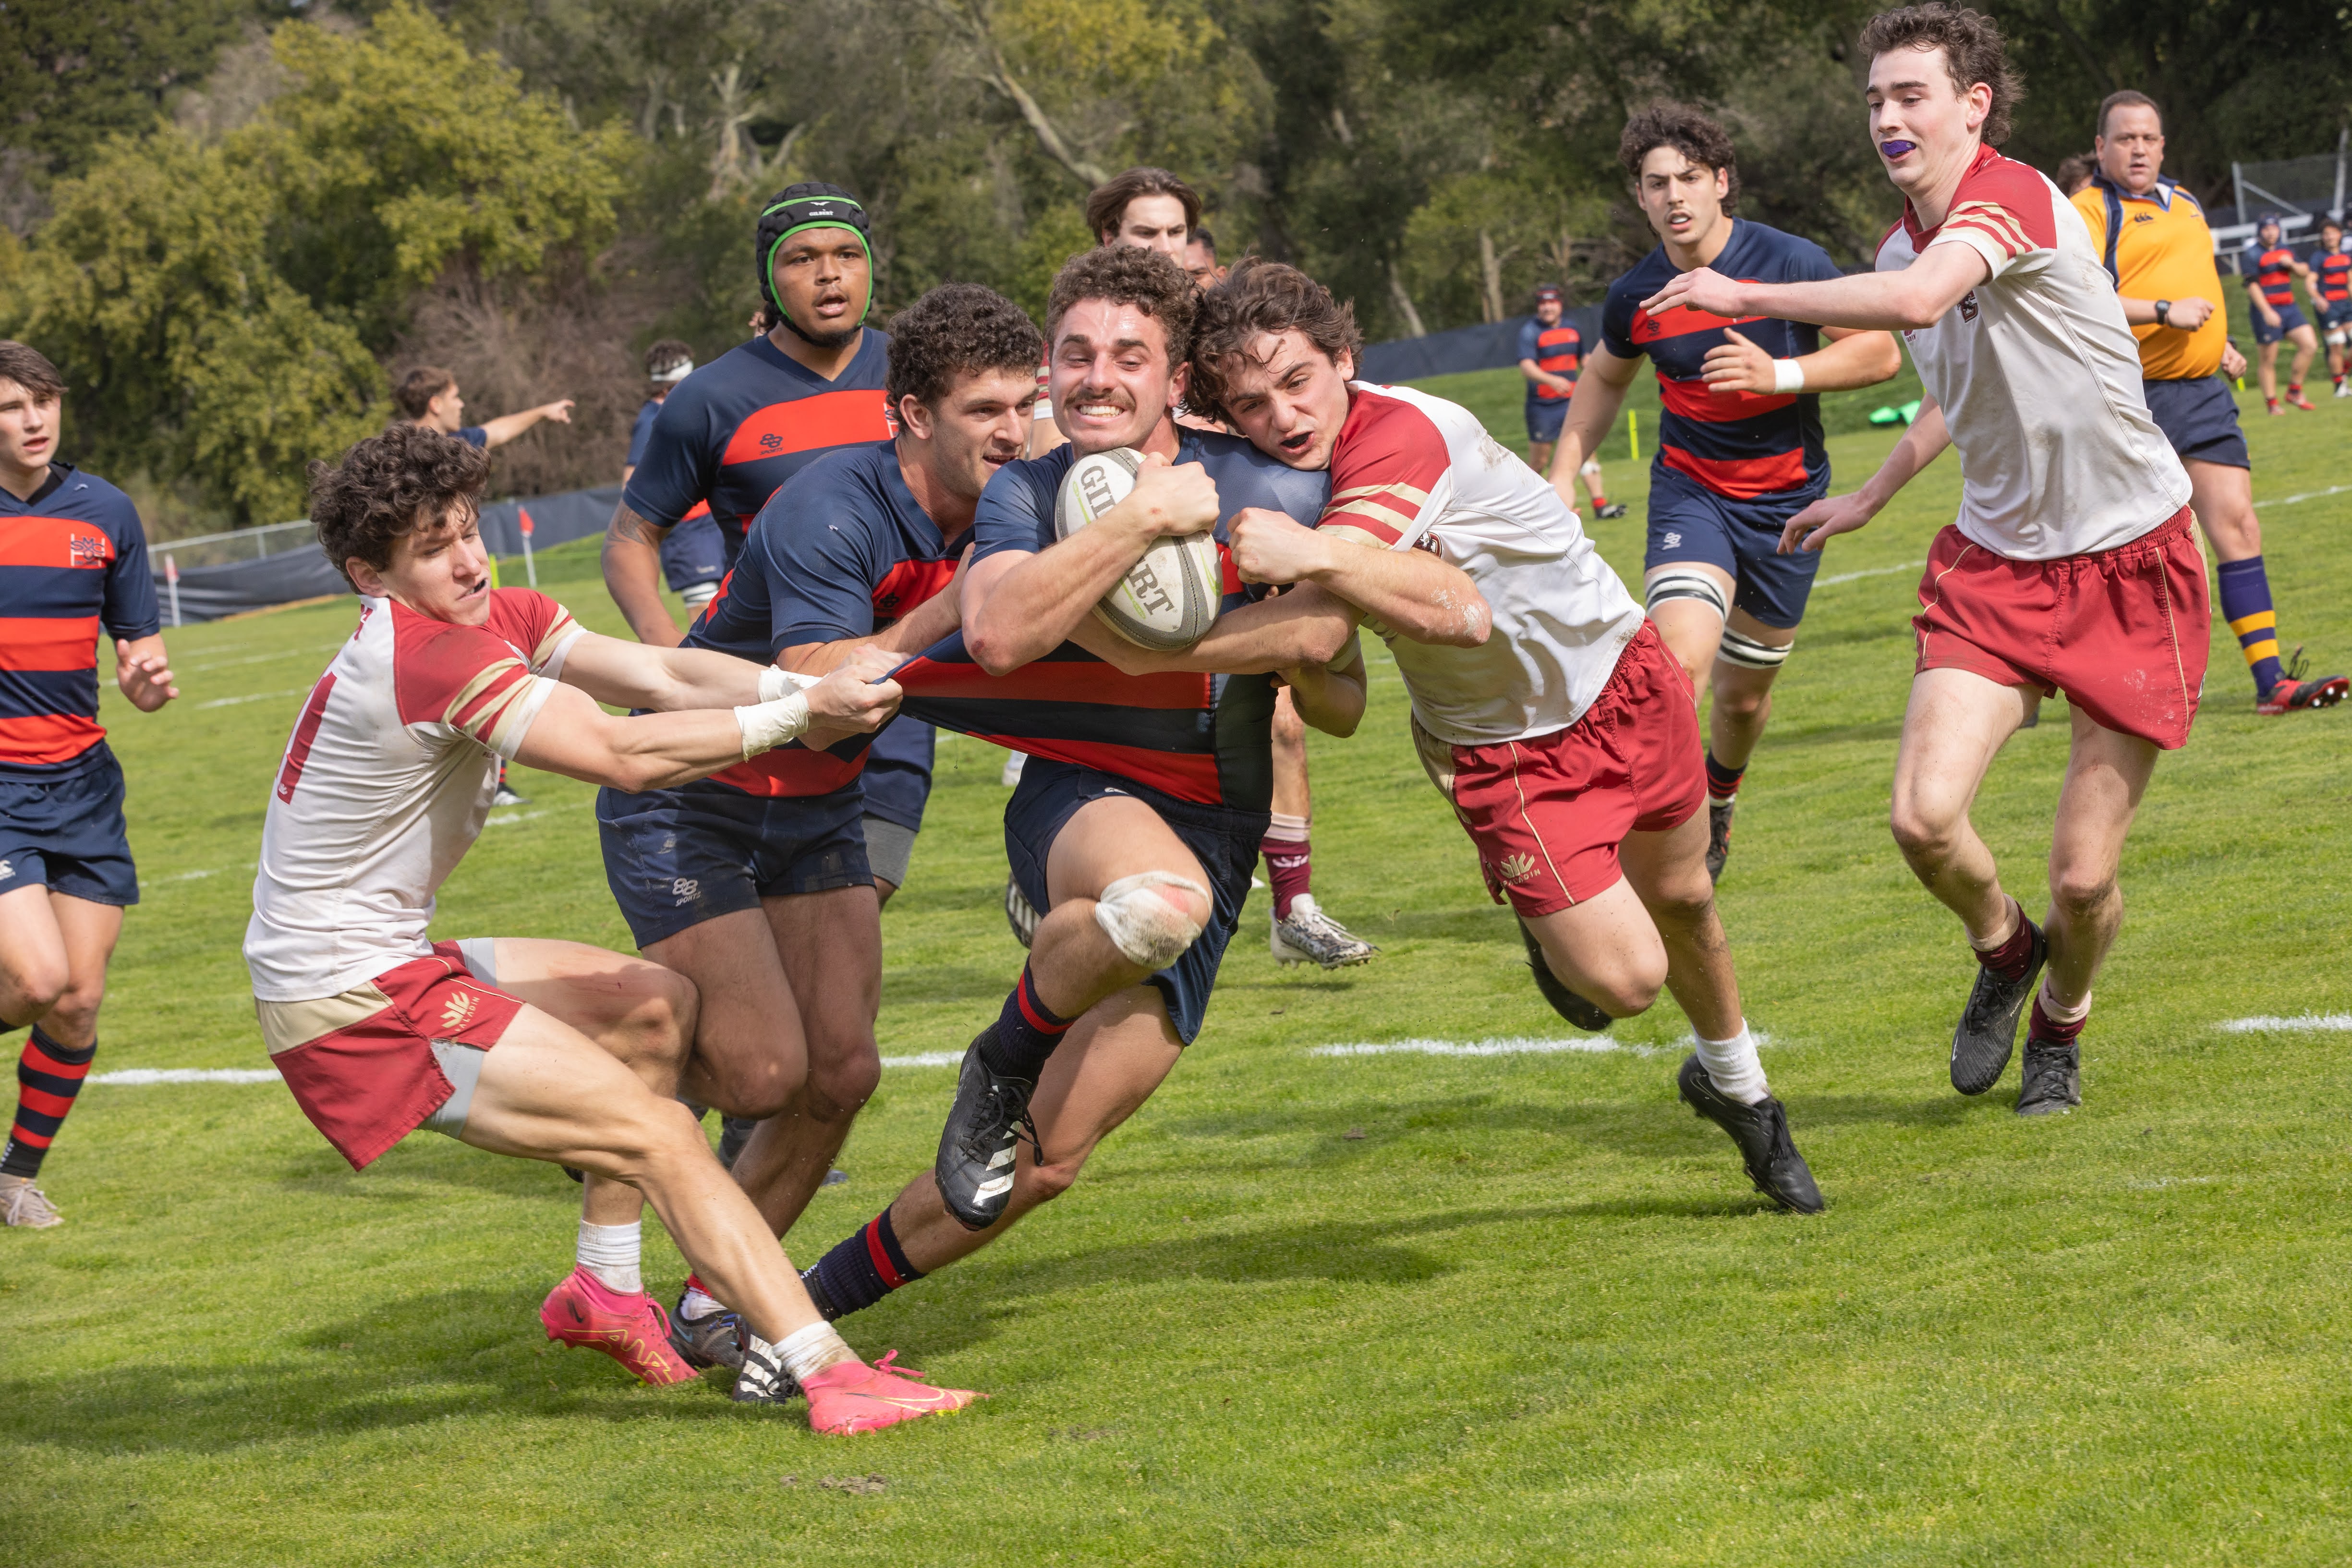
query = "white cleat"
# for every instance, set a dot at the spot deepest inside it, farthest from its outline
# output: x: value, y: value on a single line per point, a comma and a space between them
x: 24, y: 1204
x: 1310, y: 936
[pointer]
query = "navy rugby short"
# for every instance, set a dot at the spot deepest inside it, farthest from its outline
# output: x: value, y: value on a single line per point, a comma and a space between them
x: 66, y: 834
x: 1223, y: 840
x: 677, y: 858
x: 1690, y: 523
x: 1545, y: 420
x: 2290, y: 318
x: 2199, y: 417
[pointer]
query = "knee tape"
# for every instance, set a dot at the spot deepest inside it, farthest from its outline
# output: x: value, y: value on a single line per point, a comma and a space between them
x: 1749, y: 654
x: 1145, y: 927
x: 1591, y: 468
x: 1677, y: 583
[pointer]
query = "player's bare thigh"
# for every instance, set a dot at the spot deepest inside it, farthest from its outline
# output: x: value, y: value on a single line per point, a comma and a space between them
x: 547, y: 1091
x: 1956, y: 722
x: 54, y: 949
x: 1116, y: 836
x: 614, y: 998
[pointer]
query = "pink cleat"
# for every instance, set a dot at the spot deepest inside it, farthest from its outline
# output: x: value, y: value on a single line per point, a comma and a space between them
x: 855, y: 1397
x: 632, y: 1330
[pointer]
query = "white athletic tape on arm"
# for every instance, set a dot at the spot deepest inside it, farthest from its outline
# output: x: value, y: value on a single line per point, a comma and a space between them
x: 771, y: 724
x: 1145, y: 927
x: 776, y: 684
x: 1788, y: 376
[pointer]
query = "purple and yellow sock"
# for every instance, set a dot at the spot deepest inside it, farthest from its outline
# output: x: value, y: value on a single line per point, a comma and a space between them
x: 2246, y: 605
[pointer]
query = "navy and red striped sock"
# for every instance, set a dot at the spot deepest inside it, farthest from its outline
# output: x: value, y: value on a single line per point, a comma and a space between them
x: 1723, y: 783
x: 48, y: 1075
x: 1026, y: 1032
x: 866, y: 1265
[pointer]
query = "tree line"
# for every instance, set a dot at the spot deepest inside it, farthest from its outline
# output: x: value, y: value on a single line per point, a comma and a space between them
x: 230, y: 221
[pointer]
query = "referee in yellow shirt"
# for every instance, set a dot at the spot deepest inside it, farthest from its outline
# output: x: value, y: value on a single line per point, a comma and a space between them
x: 2153, y: 238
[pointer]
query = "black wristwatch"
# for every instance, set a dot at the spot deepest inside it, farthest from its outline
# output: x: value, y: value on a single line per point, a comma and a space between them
x: 2163, y: 312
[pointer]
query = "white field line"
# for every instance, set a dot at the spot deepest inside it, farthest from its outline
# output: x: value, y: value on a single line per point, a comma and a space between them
x: 1507, y: 1045
x: 2305, y: 1023
x: 2307, y: 495
x: 255, y: 697
x: 1873, y: 572
x: 135, y: 1077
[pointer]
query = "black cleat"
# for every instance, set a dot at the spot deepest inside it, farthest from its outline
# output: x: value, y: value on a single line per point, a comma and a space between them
x: 716, y: 1338
x: 762, y: 1378
x: 1613, y: 509
x: 1988, y: 1029
x: 1584, y: 1014
x: 978, y: 1145
x: 1718, y: 835
x: 1761, y: 1130
x: 2051, y: 1082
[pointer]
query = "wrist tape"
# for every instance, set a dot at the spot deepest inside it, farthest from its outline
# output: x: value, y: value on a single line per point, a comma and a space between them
x: 768, y: 725
x: 1788, y: 376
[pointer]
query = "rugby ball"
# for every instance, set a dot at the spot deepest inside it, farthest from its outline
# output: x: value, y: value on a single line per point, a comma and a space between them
x: 1168, y: 599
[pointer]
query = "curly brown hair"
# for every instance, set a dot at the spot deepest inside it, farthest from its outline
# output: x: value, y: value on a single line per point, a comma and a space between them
x: 958, y: 329
x: 388, y: 485
x: 1262, y: 297
x: 1128, y: 275
x: 1973, y: 52
x: 1688, y: 131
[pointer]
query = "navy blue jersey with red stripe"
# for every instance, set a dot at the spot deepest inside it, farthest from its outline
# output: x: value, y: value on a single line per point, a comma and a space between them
x: 2334, y: 270
x: 1201, y: 738
x: 1559, y: 348
x: 73, y: 564
x: 736, y: 429
x: 841, y: 552
x: 2272, y: 272
x: 1740, y: 444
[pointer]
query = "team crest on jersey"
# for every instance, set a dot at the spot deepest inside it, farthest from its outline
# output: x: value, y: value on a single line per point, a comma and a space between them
x: 1968, y: 306
x: 1516, y: 869
x: 86, y: 549
x: 459, y: 1011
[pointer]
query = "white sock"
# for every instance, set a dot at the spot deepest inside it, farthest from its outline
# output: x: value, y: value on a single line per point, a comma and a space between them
x: 613, y: 1254
x: 1733, y: 1066
x: 696, y: 1303
x: 811, y: 1350
x: 2058, y: 1015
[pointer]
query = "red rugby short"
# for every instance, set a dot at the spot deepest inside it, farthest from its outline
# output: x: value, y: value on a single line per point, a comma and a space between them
x: 2123, y: 632
x: 1546, y: 813
x: 362, y: 1065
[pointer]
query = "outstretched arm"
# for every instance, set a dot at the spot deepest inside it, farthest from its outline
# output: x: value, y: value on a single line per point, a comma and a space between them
x: 1850, y: 359
x: 1915, y: 296
x: 625, y: 674
x: 507, y: 427
x: 632, y: 560
x: 573, y: 736
x: 911, y: 633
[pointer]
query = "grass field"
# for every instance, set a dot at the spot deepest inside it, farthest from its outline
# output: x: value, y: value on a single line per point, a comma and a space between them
x: 1308, y: 1309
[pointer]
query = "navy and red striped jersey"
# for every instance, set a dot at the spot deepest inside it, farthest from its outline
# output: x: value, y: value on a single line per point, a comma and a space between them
x: 1203, y: 738
x: 2272, y: 272
x: 735, y: 430
x: 840, y: 552
x: 1741, y: 445
x: 1559, y: 348
x: 73, y: 564
x: 2335, y: 275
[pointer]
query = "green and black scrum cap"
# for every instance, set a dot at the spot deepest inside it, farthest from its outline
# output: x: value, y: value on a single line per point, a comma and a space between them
x: 811, y: 204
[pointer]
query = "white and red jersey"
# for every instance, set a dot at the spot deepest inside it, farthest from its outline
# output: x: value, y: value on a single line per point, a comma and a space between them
x: 1421, y: 473
x: 386, y: 783
x: 2038, y: 375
